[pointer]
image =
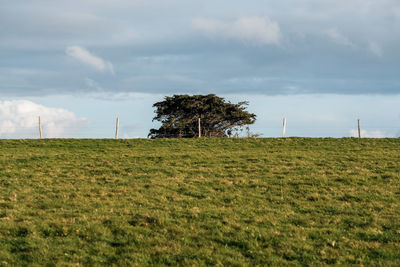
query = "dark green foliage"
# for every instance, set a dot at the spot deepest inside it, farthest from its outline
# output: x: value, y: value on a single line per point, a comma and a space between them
x: 220, y: 201
x: 179, y: 116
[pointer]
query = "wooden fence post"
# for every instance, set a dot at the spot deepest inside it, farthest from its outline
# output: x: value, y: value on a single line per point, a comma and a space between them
x: 284, y: 128
x: 359, y: 129
x: 40, y: 128
x: 199, y: 127
x: 117, y: 128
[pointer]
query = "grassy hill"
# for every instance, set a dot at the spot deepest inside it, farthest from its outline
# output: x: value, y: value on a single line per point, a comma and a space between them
x: 203, y: 201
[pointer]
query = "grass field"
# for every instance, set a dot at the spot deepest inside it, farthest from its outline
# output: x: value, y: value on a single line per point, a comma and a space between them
x: 294, y: 201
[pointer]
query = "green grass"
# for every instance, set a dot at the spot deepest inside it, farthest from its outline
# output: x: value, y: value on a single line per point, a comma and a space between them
x: 294, y: 201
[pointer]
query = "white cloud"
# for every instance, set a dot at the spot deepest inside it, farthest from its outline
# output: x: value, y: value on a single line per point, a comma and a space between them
x: 338, y: 37
x: 375, y: 49
x: 19, y: 119
x: 371, y: 134
x: 85, y: 57
x: 253, y: 30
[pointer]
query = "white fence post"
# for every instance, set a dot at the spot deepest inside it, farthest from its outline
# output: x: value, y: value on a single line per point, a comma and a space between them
x: 117, y: 128
x: 40, y: 128
x: 284, y: 128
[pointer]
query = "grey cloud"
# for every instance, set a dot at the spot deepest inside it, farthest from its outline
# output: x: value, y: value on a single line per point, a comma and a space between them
x: 159, y: 52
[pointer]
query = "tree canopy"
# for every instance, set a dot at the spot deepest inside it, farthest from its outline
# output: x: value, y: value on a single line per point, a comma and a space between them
x: 179, y: 116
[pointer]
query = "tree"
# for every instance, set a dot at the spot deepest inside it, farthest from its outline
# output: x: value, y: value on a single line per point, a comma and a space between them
x: 181, y: 116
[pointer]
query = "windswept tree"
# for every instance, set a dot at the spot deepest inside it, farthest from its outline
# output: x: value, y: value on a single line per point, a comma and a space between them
x: 209, y: 115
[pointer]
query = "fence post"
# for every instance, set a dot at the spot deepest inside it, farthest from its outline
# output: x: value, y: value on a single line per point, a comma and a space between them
x: 40, y: 128
x: 284, y: 128
x: 116, y: 129
x: 359, y: 129
x: 199, y: 127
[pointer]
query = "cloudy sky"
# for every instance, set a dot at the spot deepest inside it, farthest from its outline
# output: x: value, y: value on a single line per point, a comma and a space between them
x: 322, y: 64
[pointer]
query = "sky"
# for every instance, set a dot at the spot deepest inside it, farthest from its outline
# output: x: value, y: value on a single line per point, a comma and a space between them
x: 321, y: 64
